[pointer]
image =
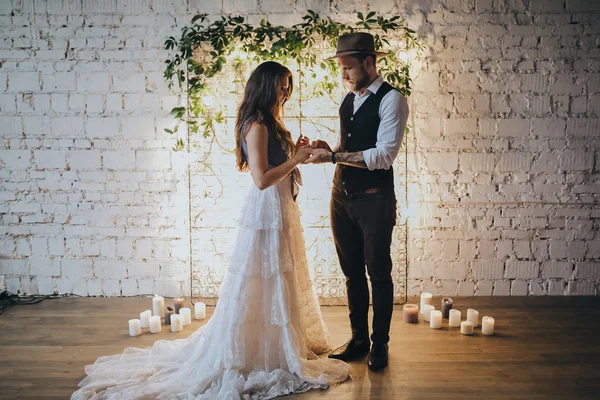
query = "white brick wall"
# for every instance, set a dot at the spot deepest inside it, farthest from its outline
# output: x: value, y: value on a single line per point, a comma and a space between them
x: 503, y: 155
x: 80, y: 155
x: 522, y: 180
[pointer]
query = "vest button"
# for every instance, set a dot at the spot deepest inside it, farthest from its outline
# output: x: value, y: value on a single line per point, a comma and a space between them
x: 351, y: 118
x: 343, y: 183
x: 349, y: 134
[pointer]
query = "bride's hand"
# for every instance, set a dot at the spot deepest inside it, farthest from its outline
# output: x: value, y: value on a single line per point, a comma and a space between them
x: 301, y: 155
x: 302, y: 141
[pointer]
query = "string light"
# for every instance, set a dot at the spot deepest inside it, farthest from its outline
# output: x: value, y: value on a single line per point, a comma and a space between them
x: 402, y: 56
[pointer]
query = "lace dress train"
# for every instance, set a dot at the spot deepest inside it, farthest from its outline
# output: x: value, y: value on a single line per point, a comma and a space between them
x: 262, y: 339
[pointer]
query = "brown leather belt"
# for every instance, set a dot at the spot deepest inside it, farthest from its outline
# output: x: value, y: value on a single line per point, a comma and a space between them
x: 372, y: 190
x: 367, y: 191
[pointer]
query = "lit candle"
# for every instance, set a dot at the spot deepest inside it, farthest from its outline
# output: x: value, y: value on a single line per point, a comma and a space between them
x: 473, y: 316
x: 435, y: 319
x: 145, y: 318
x: 446, y: 306
x: 169, y: 310
x: 454, y: 318
x: 428, y: 309
x: 178, y: 304
x: 199, y: 310
x: 158, y: 306
x: 155, y: 324
x: 135, y: 327
x: 466, y: 328
x: 176, y: 323
x: 426, y: 298
x: 411, y: 313
x: 186, y: 316
x: 487, y: 325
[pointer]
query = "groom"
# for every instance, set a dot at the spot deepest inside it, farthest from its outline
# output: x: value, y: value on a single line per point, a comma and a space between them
x: 363, y: 204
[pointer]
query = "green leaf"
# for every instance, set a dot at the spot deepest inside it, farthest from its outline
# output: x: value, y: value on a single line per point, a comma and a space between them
x: 199, y: 16
x: 179, y: 145
x: 177, y: 110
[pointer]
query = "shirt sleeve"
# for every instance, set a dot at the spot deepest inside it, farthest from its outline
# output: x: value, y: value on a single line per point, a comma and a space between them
x: 393, y: 113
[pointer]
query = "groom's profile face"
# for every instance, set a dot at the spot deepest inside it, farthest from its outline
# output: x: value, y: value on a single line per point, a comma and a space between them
x: 354, y: 74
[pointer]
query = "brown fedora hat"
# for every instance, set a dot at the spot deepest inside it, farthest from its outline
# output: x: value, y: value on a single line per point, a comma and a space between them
x: 356, y: 43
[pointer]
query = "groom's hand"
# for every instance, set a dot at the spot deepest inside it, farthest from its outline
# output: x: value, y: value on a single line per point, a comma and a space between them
x: 320, y: 144
x: 318, y: 156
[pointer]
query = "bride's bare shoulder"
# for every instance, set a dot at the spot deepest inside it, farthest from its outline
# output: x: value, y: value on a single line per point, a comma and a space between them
x: 257, y: 128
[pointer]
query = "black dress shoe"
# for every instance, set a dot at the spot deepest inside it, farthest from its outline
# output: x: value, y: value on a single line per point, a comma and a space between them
x: 351, y: 350
x: 378, y: 358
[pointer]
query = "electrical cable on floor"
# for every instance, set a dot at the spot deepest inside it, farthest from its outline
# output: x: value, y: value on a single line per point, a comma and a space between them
x: 9, y: 300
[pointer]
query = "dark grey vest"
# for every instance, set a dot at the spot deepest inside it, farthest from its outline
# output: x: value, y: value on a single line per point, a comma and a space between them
x: 359, y: 132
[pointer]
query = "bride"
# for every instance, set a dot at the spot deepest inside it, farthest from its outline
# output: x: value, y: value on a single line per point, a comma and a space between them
x: 267, y: 327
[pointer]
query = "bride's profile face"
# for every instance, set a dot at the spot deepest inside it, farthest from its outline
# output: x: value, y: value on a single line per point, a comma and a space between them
x: 284, y: 88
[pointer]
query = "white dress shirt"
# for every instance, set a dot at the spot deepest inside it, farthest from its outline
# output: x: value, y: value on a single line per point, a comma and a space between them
x: 393, y: 113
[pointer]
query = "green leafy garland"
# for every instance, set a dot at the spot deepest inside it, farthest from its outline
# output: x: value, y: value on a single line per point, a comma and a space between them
x: 221, y: 38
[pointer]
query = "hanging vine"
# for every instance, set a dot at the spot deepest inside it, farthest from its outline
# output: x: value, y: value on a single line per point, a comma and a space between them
x: 198, y: 60
x: 204, y: 48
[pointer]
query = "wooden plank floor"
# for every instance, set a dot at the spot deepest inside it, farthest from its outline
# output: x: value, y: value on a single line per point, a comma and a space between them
x: 544, y: 348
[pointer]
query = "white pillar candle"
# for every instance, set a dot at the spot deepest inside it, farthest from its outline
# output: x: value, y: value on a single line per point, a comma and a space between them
x: 428, y: 309
x: 145, y: 318
x: 435, y: 319
x: 466, y: 328
x: 135, y: 327
x: 426, y: 298
x: 487, y: 325
x: 155, y: 324
x: 454, y: 318
x: 199, y: 310
x: 158, y: 306
x: 473, y: 316
x: 186, y: 316
x: 176, y: 323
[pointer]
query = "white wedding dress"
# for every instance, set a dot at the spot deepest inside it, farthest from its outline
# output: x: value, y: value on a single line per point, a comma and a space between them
x: 262, y: 339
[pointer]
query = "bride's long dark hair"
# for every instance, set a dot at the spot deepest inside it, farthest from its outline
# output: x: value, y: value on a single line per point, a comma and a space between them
x: 260, y: 104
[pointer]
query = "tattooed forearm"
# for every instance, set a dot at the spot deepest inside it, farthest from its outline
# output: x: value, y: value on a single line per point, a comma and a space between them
x: 321, y: 158
x: 353, y: 159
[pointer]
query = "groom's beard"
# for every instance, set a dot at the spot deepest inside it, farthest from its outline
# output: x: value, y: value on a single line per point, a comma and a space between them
x: 360, y: 83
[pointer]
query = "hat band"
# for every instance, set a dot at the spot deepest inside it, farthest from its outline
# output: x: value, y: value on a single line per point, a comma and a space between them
x: 359, y: 49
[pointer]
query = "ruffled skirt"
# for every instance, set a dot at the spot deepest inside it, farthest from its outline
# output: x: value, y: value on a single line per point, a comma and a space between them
x: 264, y: 335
